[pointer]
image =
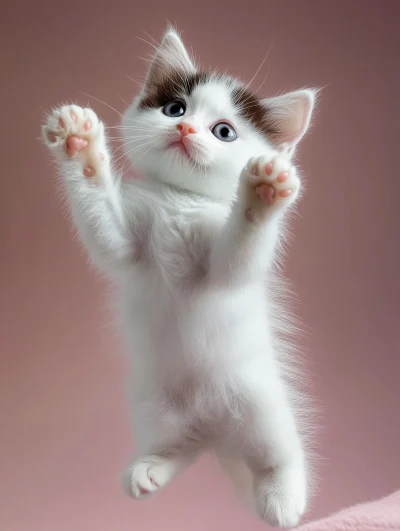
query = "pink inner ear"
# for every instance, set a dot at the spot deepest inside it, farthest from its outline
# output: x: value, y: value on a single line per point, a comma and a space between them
x: 300, y: 121
x: 291, y: 114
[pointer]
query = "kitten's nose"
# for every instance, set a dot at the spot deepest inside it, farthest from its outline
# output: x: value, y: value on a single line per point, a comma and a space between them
x: 186, y: 129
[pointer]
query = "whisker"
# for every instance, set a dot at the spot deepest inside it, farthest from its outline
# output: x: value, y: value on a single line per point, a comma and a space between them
x: 144, y: 153
x: 130, y: 142
x: 156, y: 43
x: 121, y: 98
x: 154, y: 46
x: 259, y: 68
x: 128, y: 136
x: 115, y: 144
x: 246, y: 87
x: 138, y: 83
x: 108, y: 105
x: 103, y: 102
x: 127, y: 126
x: 133, y: 131
x: 263, y: 81
x: 133, y: 150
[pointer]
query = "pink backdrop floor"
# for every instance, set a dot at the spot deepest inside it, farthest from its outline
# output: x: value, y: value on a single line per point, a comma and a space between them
x: 65, y: 431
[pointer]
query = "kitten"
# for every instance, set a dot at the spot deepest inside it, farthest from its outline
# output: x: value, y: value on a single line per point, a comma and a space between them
x: 192, y: 248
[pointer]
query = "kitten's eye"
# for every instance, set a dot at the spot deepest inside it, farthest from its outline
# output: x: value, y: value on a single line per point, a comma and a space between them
x: 174, y: 109
x: 224, y: 132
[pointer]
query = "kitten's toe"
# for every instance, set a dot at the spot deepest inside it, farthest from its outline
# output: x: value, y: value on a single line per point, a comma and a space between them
x: 281, y: 495
x: 269, y: 182
x: 145, y: 476
x: 137, y: 482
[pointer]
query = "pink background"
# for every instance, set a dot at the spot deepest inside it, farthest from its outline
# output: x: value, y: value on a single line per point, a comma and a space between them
x: 65, y: 432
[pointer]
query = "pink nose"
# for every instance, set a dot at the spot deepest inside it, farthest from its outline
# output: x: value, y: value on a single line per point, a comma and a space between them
x: 186, y: 129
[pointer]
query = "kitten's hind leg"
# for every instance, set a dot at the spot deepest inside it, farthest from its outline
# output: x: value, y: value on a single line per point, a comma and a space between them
x: 151, y: 472
x: 160, y: 462
x: 273, y: 451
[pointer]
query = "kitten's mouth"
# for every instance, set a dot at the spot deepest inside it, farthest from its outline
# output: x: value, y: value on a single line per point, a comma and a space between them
x: 179, y: 146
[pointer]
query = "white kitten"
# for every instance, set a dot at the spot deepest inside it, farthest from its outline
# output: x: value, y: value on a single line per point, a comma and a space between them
x: 192, y: 248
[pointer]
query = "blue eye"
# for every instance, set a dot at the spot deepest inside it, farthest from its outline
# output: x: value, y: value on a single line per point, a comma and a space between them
x: 224, y: 132
x: 174, y: 109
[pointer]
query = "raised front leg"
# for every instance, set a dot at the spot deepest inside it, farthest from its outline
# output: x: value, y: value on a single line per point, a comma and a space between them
x: 76, y: 138
x: 247, y: 244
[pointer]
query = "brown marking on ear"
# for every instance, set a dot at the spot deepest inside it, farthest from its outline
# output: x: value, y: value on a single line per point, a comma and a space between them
x: 254, y: 112
x: 174, y: 85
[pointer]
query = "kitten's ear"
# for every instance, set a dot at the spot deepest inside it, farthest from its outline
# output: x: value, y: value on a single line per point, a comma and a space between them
x: 290, y: 116
x: 170, y: 57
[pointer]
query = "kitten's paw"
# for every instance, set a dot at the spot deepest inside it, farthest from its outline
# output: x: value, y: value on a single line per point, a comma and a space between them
x: 281, y: 496
x: 147, y: 475
x: 73, y: 132
x: 269, y: 184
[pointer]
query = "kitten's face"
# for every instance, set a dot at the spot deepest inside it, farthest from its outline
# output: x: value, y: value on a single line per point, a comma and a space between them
x: 192, y: 137
x: 197, y: 131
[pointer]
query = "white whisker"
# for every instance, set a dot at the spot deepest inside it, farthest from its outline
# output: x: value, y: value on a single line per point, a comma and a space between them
x: 134, y: 149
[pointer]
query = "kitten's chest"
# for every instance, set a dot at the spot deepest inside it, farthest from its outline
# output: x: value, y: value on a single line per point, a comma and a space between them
x: 177, y: 249
x: 177, y: 236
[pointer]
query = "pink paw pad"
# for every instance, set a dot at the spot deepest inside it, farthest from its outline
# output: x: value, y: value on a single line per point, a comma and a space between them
x: 282, y: 176
x: 269, y: 168
x: 52, y: 137
x: 266, y: 193
x: 89, y: 171
x: 75, y: 144
x: 61, y: 123
x: 87, y: 125
x: 74, y: 118
x: 143, y: 491
x: 285, y: 193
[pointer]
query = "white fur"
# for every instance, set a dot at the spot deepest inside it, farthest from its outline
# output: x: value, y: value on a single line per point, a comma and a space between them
x: 199, y: 293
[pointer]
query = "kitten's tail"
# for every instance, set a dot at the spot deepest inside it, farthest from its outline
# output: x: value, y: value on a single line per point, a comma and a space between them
x: 241, y: 477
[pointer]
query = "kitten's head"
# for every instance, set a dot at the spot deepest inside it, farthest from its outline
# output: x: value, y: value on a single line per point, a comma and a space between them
x: 197, y: 130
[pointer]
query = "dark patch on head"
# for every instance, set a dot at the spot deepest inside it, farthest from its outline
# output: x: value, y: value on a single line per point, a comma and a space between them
x: 254, y: 112
x: 173, y: 87
x: 179, y: 83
